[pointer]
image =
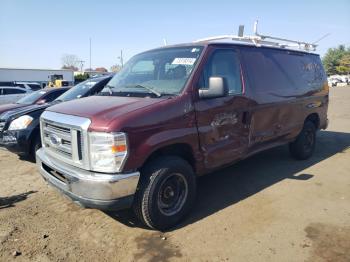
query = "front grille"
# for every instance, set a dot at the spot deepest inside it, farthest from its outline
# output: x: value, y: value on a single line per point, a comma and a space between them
x: 64, y: 137
x: 58, y: 139
x: 67, y: 142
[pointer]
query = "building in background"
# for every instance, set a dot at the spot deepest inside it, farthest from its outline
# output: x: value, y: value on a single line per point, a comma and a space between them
x: 8, y: 76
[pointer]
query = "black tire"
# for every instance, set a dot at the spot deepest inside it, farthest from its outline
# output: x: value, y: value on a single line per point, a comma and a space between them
x: 36, y: 145
x: 304, y: 145
x: 162, y: 181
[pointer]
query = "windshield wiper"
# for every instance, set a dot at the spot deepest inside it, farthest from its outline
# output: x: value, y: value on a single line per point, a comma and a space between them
x: 147, y: 88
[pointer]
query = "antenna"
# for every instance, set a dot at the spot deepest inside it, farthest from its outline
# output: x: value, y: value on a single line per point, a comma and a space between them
x: 321, y: 38
x: 259, y: 39
x: 121, y: 58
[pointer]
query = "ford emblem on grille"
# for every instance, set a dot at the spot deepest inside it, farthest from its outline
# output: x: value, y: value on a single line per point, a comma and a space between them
x: 55, y: 140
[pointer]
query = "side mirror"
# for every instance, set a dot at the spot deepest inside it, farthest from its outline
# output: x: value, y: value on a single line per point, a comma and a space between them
x: 217, y: 88
x: 41, y: 102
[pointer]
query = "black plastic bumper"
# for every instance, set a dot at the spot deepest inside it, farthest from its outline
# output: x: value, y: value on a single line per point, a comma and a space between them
x: 18, y: 141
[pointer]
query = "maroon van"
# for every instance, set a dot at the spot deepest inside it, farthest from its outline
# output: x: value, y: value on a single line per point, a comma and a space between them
x: 178, y: 112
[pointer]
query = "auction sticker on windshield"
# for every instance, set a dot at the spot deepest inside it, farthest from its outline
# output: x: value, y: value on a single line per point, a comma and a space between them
x: 184, y: 61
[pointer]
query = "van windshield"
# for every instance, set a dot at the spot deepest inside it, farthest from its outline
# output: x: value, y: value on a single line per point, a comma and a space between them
x: 155, y: 73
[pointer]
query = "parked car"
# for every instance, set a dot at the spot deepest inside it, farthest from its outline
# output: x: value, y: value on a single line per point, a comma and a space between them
x: 10, y: 94
x: 338, y: 80
x: 29, y: 85
x: 20, y: 128
x: 39, y: 97
x: 178, y: 112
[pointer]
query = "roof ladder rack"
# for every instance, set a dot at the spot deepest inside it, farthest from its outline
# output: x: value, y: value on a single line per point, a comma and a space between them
x: 263, y: 40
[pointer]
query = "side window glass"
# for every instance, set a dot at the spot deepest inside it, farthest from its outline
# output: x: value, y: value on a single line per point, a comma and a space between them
x: 223, y: 63
x: 16, y: 91
x: 8, y: 91
x: 52, y: 96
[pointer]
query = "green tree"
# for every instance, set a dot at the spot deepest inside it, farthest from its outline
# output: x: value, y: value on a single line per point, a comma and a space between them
x: 333, y: 60
x: 81, y: 77
x: 344, y: 64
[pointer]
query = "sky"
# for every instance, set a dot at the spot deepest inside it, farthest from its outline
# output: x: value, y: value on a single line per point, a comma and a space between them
x: 36, y: 34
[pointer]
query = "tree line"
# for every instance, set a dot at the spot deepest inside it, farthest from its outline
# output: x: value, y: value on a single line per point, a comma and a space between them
x: 337, y: 60
x: 72, y: 62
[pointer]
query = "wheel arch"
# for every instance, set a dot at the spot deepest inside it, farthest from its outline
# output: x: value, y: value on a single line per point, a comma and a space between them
x: 181, y: 150
x: 314, y: 118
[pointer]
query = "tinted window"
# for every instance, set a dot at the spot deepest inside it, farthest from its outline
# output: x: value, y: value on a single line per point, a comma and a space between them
x: 11, y: 91
x: 6, y: 84
x: 54, y: 94
x: 99, y: 86
x: 279, y: 73
x: 20, y: 85
x: 223, y: 63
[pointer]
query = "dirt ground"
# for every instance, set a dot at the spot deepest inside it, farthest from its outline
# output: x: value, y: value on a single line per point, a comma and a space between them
x: 266, y: 208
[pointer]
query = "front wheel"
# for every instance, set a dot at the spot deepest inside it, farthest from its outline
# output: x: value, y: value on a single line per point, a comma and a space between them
x: 304, y: 145
x: 166, y: 192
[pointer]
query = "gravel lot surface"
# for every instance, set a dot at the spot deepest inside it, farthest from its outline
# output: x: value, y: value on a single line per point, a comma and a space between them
x: 266, y: 208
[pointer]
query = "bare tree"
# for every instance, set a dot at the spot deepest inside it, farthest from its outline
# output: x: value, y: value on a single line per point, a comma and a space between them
x: 69, y: 61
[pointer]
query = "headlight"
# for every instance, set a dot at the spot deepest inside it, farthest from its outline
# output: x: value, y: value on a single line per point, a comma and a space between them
x: 108, y: 151
x: 20, y: 123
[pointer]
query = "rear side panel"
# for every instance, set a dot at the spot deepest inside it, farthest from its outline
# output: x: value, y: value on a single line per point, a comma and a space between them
x: 287, y: 86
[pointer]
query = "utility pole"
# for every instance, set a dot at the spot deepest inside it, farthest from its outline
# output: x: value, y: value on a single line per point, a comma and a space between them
x: 121, y: 58
x: 81, y: 65
x: 90, y: 52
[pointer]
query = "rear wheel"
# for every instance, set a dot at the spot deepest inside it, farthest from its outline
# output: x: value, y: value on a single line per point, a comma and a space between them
x: 166, y: 192
x: 304, y: 145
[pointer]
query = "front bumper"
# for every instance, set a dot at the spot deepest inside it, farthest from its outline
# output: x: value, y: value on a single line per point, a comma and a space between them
x: 16, y: 141
x: 89, y: 189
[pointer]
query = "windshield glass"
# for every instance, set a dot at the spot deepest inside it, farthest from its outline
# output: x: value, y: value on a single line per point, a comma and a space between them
x: 78, y: 91
x: 31, y: 98
x: 156, y: 73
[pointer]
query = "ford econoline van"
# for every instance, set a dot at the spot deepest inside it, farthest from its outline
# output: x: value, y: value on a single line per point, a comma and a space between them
x: 178, y: 112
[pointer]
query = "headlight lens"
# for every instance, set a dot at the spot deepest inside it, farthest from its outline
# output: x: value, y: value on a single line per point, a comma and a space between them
x: 108, y: 151
x: 21, y: 123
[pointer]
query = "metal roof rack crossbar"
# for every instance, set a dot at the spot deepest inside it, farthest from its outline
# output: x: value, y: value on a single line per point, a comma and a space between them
x: 263, y: 40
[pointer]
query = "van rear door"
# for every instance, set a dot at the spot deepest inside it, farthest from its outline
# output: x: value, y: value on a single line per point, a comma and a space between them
x: 223, y: 133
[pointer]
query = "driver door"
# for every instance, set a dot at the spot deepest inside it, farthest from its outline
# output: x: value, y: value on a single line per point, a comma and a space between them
x: 221, y: 122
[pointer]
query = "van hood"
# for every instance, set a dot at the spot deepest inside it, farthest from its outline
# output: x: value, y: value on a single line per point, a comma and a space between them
x: 101, y: 110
